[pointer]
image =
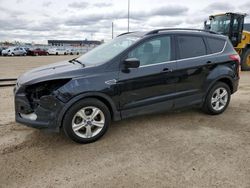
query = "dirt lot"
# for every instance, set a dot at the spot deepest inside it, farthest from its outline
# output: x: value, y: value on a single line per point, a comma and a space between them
x: 178, y: 149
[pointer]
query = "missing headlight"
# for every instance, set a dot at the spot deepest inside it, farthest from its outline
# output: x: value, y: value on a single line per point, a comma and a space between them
x: 36, y: 91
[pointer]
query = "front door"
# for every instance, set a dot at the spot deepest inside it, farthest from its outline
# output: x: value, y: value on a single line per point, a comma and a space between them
x: 150, y: 87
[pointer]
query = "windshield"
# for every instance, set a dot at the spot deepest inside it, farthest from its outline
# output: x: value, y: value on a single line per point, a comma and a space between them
x: 220, y: 24
x: 107, y: 51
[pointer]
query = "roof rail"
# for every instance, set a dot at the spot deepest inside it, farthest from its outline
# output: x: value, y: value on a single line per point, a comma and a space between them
x: 182, y: 29
x: 124, y: 34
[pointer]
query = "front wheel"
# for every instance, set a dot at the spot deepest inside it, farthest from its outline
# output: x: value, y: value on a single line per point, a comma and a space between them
x: 86, y: 121
x: 217, y: 99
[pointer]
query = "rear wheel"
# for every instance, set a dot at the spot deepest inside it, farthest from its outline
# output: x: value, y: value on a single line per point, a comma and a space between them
x: 86, y: 121
x: 217, y: 99
x: 245, y: 65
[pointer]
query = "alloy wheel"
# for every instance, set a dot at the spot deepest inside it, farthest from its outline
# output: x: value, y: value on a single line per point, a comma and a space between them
x: 88, y: 122
x: 219, y: 99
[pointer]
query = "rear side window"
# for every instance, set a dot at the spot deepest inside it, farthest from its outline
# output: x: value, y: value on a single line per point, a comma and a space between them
x: 191, y: 46
x: 215, y: 45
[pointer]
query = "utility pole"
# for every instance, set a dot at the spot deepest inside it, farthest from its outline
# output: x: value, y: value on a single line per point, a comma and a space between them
x: 128, y: 13
x: 112, y: 30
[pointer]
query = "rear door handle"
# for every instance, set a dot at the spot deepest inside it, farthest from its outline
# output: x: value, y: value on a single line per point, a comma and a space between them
x: 209, y: 62
x: 167, y: 70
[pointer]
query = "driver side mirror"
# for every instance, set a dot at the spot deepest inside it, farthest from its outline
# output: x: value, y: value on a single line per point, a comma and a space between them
x: 131, y: 63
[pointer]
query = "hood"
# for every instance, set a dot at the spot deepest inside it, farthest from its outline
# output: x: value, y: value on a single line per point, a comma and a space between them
x: 54, y: 71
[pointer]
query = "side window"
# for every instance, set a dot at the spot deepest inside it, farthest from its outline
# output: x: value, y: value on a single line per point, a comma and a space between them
x: 215, y: 45
x: 154, y: 51
x: 191, y: 46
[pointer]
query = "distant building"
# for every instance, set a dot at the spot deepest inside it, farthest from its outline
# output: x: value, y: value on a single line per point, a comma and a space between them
x: 74, y: 43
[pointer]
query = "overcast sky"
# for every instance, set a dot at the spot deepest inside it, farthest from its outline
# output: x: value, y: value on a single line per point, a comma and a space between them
x: 38, y: 21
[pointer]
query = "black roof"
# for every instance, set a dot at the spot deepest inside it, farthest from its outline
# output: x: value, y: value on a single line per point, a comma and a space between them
x: 174, y: 31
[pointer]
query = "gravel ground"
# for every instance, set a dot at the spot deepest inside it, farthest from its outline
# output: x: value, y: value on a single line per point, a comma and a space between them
x: 177, y: 149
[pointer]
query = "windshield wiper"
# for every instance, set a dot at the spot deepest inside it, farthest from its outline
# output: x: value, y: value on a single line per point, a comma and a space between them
x: 75, y: 60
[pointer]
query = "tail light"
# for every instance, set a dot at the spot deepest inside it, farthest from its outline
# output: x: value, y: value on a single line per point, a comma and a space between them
x: 236, y: 57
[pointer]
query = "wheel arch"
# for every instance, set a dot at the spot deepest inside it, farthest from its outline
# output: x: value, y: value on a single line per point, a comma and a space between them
x: 225, y: 79
x: 115, y: 114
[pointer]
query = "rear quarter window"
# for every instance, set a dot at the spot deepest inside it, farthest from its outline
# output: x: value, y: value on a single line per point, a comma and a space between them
x: 191, y: 46
x: 215, y: 45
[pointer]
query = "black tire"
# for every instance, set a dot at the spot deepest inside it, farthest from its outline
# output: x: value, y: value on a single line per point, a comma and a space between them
x: 56, y: 53
x: 245, y: 64
x: 68, y: 118
x: 207, y: 106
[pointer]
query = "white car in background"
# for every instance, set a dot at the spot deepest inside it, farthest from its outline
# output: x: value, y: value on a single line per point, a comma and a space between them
x: 73, y: 51
x: 14, y: 51
x: 57, y: 51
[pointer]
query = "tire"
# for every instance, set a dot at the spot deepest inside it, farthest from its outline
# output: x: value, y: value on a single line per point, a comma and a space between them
x: 80, y: 113
x: 245, y: 64
x: 56, y: 53
x: 12, y: 54
x: 36, y: 54
x: 212, y: 107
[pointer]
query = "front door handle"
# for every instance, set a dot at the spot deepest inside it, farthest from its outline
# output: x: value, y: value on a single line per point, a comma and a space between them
x: 209, y: 62
x: 167, y: 70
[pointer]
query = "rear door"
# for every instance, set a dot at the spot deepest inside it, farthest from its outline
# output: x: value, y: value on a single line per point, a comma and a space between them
x: 192, y: 69
x: 150, y: 87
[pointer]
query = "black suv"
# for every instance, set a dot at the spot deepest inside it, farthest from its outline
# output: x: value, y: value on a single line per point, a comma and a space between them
x: 136, y: 73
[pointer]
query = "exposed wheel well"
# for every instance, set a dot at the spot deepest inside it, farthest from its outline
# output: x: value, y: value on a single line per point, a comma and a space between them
x: 228, y: 82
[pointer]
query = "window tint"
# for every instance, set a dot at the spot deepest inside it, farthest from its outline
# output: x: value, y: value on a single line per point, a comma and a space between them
x: 191, y: 46
x: 215, y: 45
x: 154, y: 51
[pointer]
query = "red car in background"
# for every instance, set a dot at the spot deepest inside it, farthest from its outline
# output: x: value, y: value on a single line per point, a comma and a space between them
x: 37, y: 51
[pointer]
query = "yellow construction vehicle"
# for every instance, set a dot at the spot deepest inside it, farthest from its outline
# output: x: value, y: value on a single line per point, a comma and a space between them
x: 232, y: 24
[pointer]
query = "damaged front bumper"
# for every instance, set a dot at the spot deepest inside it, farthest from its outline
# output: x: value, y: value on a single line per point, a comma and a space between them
x: 39, y: 113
